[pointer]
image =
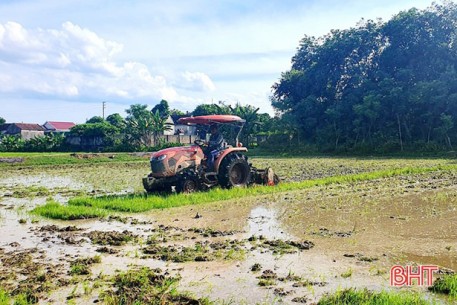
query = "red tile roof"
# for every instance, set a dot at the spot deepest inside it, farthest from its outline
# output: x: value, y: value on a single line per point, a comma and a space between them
x: 61, y: 125
x: 28, y: 126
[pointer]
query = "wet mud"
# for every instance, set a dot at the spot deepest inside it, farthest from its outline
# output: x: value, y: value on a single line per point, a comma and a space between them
x: 288, y: 248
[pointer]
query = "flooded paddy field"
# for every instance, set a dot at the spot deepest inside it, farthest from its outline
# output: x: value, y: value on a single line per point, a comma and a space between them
x: 290, y: 247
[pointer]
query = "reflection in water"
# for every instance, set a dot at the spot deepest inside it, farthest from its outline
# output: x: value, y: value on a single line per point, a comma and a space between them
x: 449, y: 261
x: 263, y: 221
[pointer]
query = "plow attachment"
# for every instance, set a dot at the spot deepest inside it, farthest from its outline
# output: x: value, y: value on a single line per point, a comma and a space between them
x: 264, y: 176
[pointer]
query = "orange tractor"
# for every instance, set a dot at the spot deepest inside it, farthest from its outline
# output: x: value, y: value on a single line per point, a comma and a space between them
x: 186, y: 169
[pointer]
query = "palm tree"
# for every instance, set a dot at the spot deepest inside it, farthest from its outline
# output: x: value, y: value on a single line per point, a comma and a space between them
x: 250, y: 115
x: 159, y: 125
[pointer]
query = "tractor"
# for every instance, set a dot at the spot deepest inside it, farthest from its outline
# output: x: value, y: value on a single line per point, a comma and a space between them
x: 186, y: 169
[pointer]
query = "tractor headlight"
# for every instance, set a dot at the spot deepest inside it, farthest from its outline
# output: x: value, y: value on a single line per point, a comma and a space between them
x: 160, y: 158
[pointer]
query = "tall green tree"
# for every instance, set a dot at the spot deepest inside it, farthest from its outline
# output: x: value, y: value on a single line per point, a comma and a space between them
x: 159, y: 125
x: 116, y: 120
x: 94, y: 130
x: 162, y: 108
x: 95, y: 119
x: 378, y: 84
x: 2, y: 121
x: 139, y: 127
x: 250, y: 115
x: 144, y: 127
x: 176, y: 112
x: 208, y: 109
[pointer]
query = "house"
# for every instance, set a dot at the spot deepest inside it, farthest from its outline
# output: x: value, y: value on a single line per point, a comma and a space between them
x: 169, y: 122
x: 26, y: 131
x: 58, y: 127
x: 180, y: 129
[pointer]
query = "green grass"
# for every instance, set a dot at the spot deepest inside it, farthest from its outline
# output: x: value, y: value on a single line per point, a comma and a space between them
x: 37, y: 159
x: 55, y: 210
x: 4, y: 297
x: 446, y: 285
x: 365, y: 297
x: 81, y: 266
x: 19, y: 299
x: 347, y: 273
x: 147, y: 286
x: 90, y: 207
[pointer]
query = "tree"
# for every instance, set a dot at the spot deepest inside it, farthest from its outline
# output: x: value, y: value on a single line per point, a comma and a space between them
x: 143, y: 126
x: 2, y: 121
x: 95, y: 119
x: 176, y: 112
x: 159, y: 125
x: 250, y: 115
x: 11, y: 143
x: 207, y: 109
x: 162, y: 108
x: 378, y: 84
x: 49, y: 142
x: 139, y: 126
x: 94, y: 130
x: 116, y: 120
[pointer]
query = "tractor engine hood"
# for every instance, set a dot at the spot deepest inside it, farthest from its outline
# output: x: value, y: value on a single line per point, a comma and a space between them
x: 175, y: 150
x: 170, y: 161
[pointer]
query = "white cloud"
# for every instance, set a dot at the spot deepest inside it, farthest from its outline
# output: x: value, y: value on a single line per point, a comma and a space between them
x: 74, y: 61
x: 195, y: 81
x: 142, y: 52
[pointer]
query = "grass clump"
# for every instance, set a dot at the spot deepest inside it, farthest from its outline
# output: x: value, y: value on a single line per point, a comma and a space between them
x: 4, y: 297
x: 55, y: 210
x: 24, y: 299
x: 147, y: 286
x: 31, y: 191
x: 446, y: 285
x: 81, y: 266
x: 365, y: 297
x: 266, y: 282
x: 200, y: 252
x: 346, y: 274
x: 112, y: 238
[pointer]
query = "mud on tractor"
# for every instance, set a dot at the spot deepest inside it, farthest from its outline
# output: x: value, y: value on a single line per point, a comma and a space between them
x: 186, y: 169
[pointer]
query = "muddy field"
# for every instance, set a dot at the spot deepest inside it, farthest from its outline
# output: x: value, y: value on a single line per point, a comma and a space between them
x: 283, y: 248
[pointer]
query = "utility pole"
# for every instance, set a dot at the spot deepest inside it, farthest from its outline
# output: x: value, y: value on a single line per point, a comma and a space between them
x: 103, y: 109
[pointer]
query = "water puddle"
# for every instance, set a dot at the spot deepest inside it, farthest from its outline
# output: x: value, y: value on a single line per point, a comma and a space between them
x: 356, y: 239
x: 47, y: 181
x: 264, y: 221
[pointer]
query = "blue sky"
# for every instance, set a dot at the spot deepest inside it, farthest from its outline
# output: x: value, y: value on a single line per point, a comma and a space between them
x: 60, y: 59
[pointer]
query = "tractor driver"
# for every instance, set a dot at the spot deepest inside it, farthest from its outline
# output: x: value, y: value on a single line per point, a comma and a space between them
x: 215, y: 145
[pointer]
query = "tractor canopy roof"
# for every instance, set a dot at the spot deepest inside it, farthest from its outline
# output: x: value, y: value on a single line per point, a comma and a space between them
x: 212, y: 119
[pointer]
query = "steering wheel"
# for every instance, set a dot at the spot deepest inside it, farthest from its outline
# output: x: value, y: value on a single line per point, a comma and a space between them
x: 199, y: 142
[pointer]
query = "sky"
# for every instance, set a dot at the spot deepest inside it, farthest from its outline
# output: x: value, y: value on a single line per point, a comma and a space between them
x: 59, y: 60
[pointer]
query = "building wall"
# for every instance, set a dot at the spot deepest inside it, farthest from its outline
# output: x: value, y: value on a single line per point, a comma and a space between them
x: 188, y: 130
x: 29, y: 134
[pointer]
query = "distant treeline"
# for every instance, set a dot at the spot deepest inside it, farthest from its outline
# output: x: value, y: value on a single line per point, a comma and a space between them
x: 377, y: 87
x: 141, y: 130
x: 385, y: 86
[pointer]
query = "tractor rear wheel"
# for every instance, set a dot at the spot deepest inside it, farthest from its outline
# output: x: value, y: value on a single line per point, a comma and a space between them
x: 188, y: 184
x: 234, y: 171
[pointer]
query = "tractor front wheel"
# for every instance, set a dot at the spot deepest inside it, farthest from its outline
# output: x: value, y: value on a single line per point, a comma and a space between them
x: 234, y: 171
x: 155, y: 186
x: 188, y: 184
